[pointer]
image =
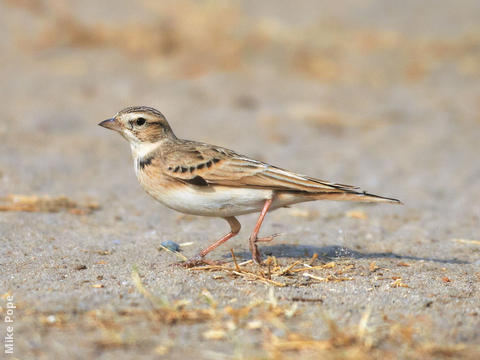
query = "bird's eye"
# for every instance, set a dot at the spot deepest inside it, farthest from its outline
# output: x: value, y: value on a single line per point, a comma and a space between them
x: 140, y: 121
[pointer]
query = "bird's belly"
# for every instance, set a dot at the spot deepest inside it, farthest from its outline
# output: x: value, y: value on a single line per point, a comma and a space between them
x: 218, y: 201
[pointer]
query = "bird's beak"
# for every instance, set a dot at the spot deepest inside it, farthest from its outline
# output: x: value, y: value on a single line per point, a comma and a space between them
x: 111, y: 124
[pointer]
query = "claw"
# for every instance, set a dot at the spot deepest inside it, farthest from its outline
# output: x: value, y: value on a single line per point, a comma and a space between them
x: 267, y: 238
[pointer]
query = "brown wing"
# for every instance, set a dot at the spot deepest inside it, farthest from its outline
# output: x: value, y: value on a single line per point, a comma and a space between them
x: 203, y: 164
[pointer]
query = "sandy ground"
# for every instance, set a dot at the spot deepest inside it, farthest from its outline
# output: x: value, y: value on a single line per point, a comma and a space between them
x: 380, y: 95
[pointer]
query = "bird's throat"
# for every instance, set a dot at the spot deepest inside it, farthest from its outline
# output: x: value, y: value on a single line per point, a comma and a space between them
x: 142, y: 150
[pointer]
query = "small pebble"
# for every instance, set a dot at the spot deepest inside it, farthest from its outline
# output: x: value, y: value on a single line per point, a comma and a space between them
x: 170, y: 245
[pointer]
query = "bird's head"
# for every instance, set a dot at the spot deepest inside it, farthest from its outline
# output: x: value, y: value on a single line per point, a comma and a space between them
x: 140, y: 125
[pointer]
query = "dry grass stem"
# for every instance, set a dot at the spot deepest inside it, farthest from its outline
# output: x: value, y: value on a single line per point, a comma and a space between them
x: 34, y: 203
x: 467, y: 241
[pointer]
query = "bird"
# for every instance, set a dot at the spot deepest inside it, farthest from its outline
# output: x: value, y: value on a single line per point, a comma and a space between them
x: 197, y: 178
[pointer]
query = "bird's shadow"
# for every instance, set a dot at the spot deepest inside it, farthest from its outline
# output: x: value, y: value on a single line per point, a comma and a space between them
x: 335, y: 252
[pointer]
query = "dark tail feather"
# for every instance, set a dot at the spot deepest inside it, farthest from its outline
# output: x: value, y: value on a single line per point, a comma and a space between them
x: 355, y: 196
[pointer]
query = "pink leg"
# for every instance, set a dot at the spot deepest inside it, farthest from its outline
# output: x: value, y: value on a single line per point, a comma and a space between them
x: 199, y: 258
x: 253, y: 238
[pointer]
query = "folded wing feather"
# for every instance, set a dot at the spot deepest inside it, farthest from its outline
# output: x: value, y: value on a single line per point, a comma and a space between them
x: 221, y: 166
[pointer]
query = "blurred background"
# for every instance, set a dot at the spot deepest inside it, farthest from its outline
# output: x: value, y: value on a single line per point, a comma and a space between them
x: 395, y: 84
x: 380, y: 94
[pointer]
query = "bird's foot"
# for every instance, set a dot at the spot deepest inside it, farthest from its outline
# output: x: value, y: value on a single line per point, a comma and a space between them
x: 199, y: 260
x: 256, y: 256
x: 267, y: 238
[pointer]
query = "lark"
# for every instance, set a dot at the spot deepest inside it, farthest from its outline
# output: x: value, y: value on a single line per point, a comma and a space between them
x: 207, y: 180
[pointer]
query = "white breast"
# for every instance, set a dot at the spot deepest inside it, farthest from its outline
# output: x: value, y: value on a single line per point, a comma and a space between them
x: 218, y: 201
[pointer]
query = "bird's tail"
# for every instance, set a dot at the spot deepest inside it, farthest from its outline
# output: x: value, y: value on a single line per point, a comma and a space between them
x: 355, y: 196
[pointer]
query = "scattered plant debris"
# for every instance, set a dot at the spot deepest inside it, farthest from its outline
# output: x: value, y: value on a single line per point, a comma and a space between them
x: 278, y: 275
